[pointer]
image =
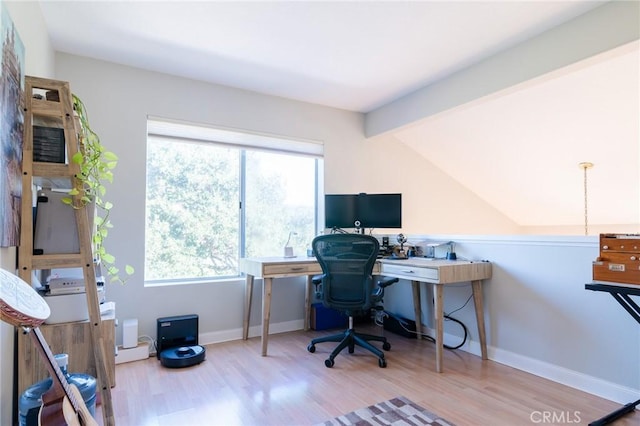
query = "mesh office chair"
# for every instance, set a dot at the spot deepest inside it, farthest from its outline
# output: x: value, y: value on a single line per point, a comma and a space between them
x: 346, y: 285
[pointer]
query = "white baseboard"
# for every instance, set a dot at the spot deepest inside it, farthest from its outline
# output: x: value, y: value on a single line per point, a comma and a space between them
x: 254, y: 331
x: 565, y: 376
x: 593, y: 385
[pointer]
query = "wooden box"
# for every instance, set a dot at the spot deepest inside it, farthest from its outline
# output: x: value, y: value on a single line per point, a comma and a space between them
x: 619, y: 259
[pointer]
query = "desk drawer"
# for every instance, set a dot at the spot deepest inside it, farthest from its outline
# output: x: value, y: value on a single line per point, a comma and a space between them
x: 619, y: 243
x: 618, y: 267
x: 410, y: 272
x: 292, y: 269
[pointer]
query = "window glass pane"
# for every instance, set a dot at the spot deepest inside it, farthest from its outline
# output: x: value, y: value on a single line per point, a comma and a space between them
x: 280, y: 198
x: 192, y: 210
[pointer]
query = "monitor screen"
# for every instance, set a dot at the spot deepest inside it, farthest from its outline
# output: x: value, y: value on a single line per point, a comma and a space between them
x: 370, y: 210
x: 380, y: 210
x: 340, y: 210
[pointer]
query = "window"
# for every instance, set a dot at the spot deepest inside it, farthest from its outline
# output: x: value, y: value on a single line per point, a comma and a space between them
x: 214, y: 196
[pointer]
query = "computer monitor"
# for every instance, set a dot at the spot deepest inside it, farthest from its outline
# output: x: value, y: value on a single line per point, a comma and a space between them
x: 380, y: 210
x: 340, y: 210
x: 363, y: 210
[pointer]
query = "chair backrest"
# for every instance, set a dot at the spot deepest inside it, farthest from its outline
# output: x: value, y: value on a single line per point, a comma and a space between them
x: 347, y: 262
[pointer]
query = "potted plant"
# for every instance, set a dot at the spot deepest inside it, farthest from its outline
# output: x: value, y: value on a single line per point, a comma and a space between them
x: 96, y: 165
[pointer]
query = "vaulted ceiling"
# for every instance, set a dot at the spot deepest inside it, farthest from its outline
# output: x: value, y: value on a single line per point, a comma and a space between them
x: 518, y: 148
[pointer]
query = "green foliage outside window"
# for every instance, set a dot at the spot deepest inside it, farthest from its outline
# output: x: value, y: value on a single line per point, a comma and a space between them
x: 194, y: 217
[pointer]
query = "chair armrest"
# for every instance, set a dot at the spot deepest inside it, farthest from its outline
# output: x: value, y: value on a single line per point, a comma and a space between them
x: 387, y: 281
x: 378, y: 293
x: 316, y: 280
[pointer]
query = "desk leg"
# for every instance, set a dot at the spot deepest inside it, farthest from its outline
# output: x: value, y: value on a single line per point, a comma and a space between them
x: 477, y: 300
x: 415, y: 286
x: 439, y: 319
x: 266, y: 312
x: 248, y: 293
x: 307, y: 303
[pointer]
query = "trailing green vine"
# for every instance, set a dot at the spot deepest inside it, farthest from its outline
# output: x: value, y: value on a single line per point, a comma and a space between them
x: 96, y: 165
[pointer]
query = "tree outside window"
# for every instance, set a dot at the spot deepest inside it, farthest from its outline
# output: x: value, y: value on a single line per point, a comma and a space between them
x: 209, y: 204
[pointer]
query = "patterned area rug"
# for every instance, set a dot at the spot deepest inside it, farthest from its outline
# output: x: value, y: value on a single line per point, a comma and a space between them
x: 397, y: 411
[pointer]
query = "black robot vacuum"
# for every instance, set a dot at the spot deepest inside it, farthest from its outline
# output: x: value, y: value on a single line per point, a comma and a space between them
x: 178, y: 341
x: 183, y: 356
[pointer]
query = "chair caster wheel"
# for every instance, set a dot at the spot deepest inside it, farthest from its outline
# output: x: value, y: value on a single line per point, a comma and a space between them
x: 328, y: 363
x: 382, y: 363
x: 386, y: 346
x: 352, y: 349
x: 311, y: 348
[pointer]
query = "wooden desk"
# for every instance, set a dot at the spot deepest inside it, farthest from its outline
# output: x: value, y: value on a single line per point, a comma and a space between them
x: 439, y: 273
x: 416, y: 270
x: 269, y: 268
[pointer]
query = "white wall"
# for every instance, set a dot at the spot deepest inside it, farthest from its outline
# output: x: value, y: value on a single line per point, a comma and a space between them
x: 432, y: 201
x: 39, y: 59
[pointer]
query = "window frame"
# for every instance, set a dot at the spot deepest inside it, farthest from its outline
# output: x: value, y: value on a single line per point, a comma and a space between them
x: 188, y: 132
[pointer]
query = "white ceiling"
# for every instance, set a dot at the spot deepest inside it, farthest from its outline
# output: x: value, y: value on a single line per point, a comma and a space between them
x: 360, y: 55
x: 355, y: 55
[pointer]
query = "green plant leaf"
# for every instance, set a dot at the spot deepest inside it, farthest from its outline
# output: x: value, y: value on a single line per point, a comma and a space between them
x: 110, y: 157
x: 96, y: 165
x: 77, y: 158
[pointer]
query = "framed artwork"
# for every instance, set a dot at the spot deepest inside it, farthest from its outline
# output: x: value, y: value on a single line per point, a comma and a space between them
x: 11, y: 127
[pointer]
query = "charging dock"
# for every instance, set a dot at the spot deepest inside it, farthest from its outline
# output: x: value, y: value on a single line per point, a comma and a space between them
x: 178, y: 341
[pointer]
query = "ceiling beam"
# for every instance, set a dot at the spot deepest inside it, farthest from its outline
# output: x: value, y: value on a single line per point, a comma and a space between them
x: 602, y: 29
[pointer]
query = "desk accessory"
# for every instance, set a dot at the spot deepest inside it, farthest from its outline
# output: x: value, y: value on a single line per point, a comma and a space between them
x: 619, y: 259
x: 401, y: 239
x: 451, y: 254
x: 288, y: 250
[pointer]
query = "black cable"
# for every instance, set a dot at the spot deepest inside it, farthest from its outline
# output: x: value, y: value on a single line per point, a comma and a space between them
x: 456, y: 310
x: 466, y: 333
x: 447, y: 317
x: 464, y: 339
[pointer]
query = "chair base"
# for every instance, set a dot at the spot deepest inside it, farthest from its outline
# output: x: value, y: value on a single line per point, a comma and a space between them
x: 350, y: 339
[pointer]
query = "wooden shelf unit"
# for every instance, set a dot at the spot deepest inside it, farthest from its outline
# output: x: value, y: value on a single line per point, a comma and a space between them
x: 97, y: 337
x: 73, y: 338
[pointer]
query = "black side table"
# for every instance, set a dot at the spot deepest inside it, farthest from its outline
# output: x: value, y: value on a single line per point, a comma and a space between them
x: 622, y: 294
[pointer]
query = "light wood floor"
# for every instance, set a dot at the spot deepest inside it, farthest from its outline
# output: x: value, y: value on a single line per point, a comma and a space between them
x: 236, y: 386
